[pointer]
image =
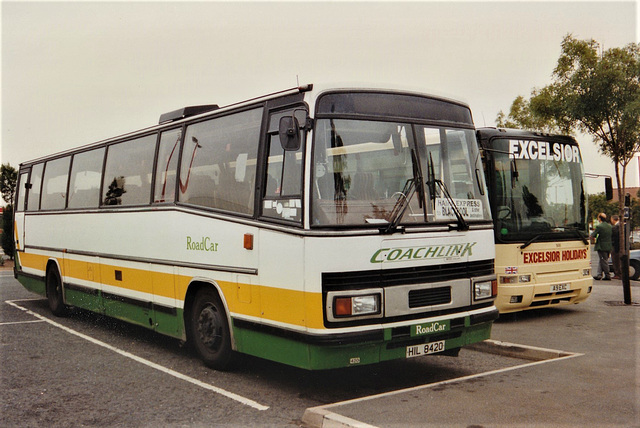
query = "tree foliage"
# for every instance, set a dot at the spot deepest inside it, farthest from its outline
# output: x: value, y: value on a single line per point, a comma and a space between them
x: 523, y: 114
x: 6, y: 237
x: 8, y: 179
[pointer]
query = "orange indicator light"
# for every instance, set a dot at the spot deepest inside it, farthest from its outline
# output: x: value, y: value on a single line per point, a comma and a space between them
x: 248, y: 241
x: 342, y: 306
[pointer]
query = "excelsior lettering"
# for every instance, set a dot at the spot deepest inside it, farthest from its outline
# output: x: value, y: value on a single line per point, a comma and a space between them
x: 544, y: 150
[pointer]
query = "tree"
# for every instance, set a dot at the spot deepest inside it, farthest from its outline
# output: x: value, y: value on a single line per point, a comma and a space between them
x: 523, y: 114
x: 8, y: 179
x: 599, y: 204
x: 6, y: 238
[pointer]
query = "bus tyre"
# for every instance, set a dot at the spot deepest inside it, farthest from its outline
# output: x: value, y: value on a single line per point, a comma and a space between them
x: 54, y: 293
x: 634, y: 270
x: 209, y: 330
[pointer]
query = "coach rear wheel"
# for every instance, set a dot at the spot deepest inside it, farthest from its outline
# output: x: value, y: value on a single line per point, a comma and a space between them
x: 209, y: 330
x: 54, y: 293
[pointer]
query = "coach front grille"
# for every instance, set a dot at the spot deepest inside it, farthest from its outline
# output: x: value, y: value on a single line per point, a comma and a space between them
x: 337, y: 281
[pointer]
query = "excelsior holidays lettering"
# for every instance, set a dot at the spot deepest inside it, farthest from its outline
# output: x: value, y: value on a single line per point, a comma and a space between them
x: 203, y: 244
x: 552, y: 256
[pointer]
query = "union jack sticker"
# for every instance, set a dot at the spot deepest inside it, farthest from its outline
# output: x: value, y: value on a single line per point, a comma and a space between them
x: 511, y: 270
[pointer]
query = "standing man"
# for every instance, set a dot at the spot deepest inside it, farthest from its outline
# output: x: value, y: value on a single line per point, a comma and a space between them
x: 615, y: 247
x: 602, y: 235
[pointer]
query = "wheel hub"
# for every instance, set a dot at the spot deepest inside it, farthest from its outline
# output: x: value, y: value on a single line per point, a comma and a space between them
x: 209, y: 327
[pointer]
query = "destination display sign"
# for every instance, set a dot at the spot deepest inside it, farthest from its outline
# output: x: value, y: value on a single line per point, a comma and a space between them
x: 544, y: 150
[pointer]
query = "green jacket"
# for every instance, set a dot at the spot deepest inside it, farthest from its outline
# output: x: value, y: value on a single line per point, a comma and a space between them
x: 603, y: 237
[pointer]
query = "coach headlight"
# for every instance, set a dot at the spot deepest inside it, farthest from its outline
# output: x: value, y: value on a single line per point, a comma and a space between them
x: 485, y: 289
x: 355, y: 304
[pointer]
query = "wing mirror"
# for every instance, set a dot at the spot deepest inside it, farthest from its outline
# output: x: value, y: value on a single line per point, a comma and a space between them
x: 289, y: 130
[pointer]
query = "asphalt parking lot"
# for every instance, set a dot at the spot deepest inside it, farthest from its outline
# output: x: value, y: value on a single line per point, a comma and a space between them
x: 589, y: 377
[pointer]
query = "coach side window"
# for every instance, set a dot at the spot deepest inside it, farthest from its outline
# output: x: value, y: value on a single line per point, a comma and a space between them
x: 282, y: 196
x: 22, y: 191
x: 166, y: 166
x: 33, y: 197
x: 86, y: 172
x: 218, y: 167
x: 127, y: 175
x: 54, y: 186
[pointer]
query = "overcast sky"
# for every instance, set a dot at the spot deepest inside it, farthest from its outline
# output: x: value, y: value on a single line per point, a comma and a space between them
x: 78, y: 72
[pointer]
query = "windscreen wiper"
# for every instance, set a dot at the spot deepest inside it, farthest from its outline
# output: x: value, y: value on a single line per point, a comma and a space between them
x: 462, y: 223
x: 540, y: 235
x: 400, y: 206
x: 578, y: 232
x: 432, y: 181
x: 419, y: 183
x: 405, y: 196
x: 532, y: 240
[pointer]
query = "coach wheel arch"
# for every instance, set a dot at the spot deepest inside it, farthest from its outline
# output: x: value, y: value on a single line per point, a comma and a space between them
x: 207, y: 325
x: 55, y: 294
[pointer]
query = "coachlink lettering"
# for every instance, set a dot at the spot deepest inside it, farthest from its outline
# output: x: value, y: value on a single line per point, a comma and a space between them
x: 553, y: 256
x: 385, y: 255
x: 543, y: 150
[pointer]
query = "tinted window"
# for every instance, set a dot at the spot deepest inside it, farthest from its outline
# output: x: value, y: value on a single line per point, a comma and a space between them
x: 282, y: 195
x: 86, y: 172
x: 33, y: 198
x: 167, y: 165
x: 22, y: 192
x: 398, y: 105
x: 219, y: 162
x: 56, y: 176
x: 127, y: 177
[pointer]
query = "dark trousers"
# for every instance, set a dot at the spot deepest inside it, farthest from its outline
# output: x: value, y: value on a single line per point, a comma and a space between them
x: 617, y: 266
x: 603, y: 264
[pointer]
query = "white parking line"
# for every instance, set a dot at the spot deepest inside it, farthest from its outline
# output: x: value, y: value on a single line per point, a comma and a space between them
x: 20, y: 322
x: 321, y: 416
x: 228, y: 394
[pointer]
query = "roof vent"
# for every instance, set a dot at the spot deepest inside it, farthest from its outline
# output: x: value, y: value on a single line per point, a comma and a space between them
x: 181, y: 113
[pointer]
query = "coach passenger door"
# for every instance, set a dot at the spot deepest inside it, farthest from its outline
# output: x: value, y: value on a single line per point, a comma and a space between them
x: 281, y: 203
x: 20, y: 206
x: 163, y: 277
